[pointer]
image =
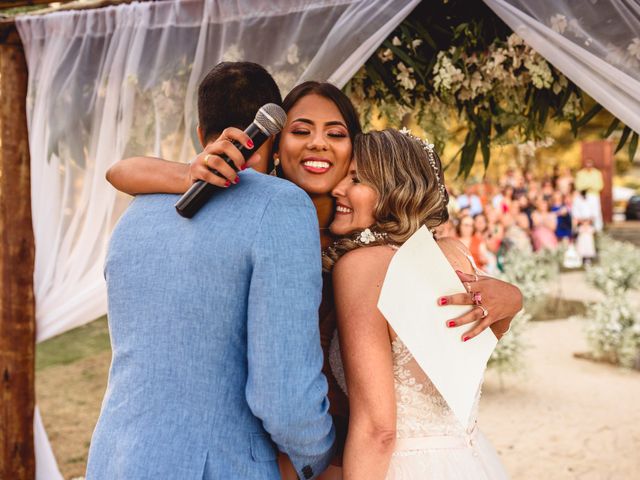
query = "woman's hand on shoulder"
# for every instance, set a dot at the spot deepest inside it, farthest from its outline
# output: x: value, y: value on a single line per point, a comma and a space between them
x: 210, y: 159
x: 500, y: 300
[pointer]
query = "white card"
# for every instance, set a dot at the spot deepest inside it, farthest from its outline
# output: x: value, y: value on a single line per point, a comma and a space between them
x: 418, y: 275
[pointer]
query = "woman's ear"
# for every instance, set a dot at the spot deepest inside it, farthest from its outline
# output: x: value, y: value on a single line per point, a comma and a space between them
x: 200, y: 135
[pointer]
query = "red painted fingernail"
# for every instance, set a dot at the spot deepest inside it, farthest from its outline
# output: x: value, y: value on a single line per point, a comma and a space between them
x: 250, y: 143
x: 227, y: 183
x: 235, y: 182
x: 451, y: 324
x: 465, y: 339
x: 243, y: 167
x: 443, y: 301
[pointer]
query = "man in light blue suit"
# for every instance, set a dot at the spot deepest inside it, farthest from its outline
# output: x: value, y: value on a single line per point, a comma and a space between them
x: 214, y: 328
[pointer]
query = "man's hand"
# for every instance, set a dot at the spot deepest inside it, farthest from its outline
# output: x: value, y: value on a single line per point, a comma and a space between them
x: 203, y: 165
x: 499, y: 299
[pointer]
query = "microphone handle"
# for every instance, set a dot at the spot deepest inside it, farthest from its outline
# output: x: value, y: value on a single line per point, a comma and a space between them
x: 201, y: 191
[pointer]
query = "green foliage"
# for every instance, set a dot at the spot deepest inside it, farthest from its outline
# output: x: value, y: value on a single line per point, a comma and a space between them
x: 455, y: 62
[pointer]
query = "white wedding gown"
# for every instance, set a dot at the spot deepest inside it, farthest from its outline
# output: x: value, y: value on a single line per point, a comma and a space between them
x: 431, y: 444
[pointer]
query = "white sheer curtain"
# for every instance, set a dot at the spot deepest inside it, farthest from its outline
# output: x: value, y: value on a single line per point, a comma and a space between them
x: 109, y: 83
x: 595, y: 43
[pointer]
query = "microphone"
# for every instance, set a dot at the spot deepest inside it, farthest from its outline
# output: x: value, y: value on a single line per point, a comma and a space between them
x: 269, y: 121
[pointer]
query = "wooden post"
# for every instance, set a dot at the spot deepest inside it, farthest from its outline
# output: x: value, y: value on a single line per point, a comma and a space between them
x: 17, y: 307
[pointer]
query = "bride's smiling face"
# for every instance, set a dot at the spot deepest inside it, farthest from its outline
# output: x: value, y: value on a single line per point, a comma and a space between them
x: 355, y: 204
x: 315, y: 148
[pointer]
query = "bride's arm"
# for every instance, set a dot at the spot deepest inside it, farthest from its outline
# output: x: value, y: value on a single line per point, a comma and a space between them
x: 366, y: 353
x: 137, y: 175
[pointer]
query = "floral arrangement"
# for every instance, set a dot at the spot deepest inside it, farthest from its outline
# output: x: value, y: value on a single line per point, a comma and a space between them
x: 613, y: 331
x: 618, y: 269
x: 508, y: 357
x: 450, y: 65
x: 531, y: 272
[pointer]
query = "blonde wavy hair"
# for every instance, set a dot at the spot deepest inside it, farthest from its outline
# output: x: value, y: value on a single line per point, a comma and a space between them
x: 409, y: 185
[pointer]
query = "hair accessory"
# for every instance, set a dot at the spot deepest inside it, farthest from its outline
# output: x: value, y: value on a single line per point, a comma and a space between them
x: 365, y: 237
x: 428, y: 147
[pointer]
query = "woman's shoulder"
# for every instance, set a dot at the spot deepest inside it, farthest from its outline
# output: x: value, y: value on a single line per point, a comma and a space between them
x: 365, y: 262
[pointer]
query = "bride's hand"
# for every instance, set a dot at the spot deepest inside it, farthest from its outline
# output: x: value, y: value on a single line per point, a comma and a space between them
x: 500, y: 300
x: 202, y: 166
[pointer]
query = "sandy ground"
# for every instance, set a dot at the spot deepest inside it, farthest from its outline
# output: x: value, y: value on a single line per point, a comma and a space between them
x: 563, y: 418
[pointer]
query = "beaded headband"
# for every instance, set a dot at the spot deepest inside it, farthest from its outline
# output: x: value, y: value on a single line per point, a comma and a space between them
x: 428, y: 147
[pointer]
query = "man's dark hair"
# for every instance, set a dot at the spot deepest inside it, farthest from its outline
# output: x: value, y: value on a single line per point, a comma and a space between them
x: 231, y: 94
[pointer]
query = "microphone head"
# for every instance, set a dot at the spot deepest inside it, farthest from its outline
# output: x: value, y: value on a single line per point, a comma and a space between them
x: 272, y: 117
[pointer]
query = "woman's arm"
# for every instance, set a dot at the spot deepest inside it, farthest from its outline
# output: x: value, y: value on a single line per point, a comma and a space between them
x: 502, y: 300
x: 137, y: 175
x: 366, y: 353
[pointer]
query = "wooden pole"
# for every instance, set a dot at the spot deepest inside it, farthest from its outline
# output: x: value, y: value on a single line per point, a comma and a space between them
x: 17, y: 306
x: 600, y: 152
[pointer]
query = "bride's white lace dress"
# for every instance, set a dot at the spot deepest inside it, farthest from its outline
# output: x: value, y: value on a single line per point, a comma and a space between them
x: 431, y: 443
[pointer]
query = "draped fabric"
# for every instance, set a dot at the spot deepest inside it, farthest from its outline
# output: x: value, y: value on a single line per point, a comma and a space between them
x: 110, y: 83
x: 595, y: 43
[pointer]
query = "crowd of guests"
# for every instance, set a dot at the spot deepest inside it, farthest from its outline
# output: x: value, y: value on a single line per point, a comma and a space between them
x: 528, y: 214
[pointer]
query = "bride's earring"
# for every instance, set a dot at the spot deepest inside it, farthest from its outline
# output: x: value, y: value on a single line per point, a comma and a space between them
x: 276, y: 162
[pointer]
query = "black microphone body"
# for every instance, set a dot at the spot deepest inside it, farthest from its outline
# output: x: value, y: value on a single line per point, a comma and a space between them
x: 201, y: 191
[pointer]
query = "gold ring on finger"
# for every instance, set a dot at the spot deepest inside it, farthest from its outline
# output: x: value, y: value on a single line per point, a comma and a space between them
x: 206, y: 160
x: 485, y: 312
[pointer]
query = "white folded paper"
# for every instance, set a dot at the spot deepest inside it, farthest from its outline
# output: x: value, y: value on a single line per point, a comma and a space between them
x: 418, y: 275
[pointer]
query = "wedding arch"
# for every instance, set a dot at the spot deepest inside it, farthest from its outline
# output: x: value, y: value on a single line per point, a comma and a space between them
x: 110, y: 82
x: 106, y: 83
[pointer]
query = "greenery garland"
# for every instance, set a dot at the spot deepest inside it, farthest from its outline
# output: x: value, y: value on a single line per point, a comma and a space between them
x: 454, y: 62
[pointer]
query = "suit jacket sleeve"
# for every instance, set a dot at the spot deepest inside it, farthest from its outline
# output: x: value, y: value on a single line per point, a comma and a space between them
x: 285, y: 387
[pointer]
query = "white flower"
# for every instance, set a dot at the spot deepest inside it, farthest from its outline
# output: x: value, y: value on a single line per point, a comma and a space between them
x: 367, y: 236
x: 416, y: 43
x: 405, y: 76
x: 386, y: 55
x: 446, y: 76
x: 634, y: 48
x: 395, y: 41
x: 292, y: 55
x: 514, y: 40
x: 559, y: 23
x: 541, y: 75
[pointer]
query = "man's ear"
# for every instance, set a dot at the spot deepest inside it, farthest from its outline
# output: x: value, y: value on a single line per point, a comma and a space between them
x: 200, y: 135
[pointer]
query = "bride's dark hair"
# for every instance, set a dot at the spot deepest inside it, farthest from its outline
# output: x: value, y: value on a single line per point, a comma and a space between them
x: 409, y: 182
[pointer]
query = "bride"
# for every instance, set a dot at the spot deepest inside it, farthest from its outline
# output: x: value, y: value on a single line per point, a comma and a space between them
x: 400, y: 427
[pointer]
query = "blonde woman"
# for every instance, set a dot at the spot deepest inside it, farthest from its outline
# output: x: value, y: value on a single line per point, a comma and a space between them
x: 400, y: 427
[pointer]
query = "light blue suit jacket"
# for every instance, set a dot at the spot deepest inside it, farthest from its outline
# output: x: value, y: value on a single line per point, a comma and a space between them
x: 216, y: 348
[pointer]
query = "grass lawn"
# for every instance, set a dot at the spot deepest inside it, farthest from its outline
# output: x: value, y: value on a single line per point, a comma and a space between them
x: 71, y: 376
